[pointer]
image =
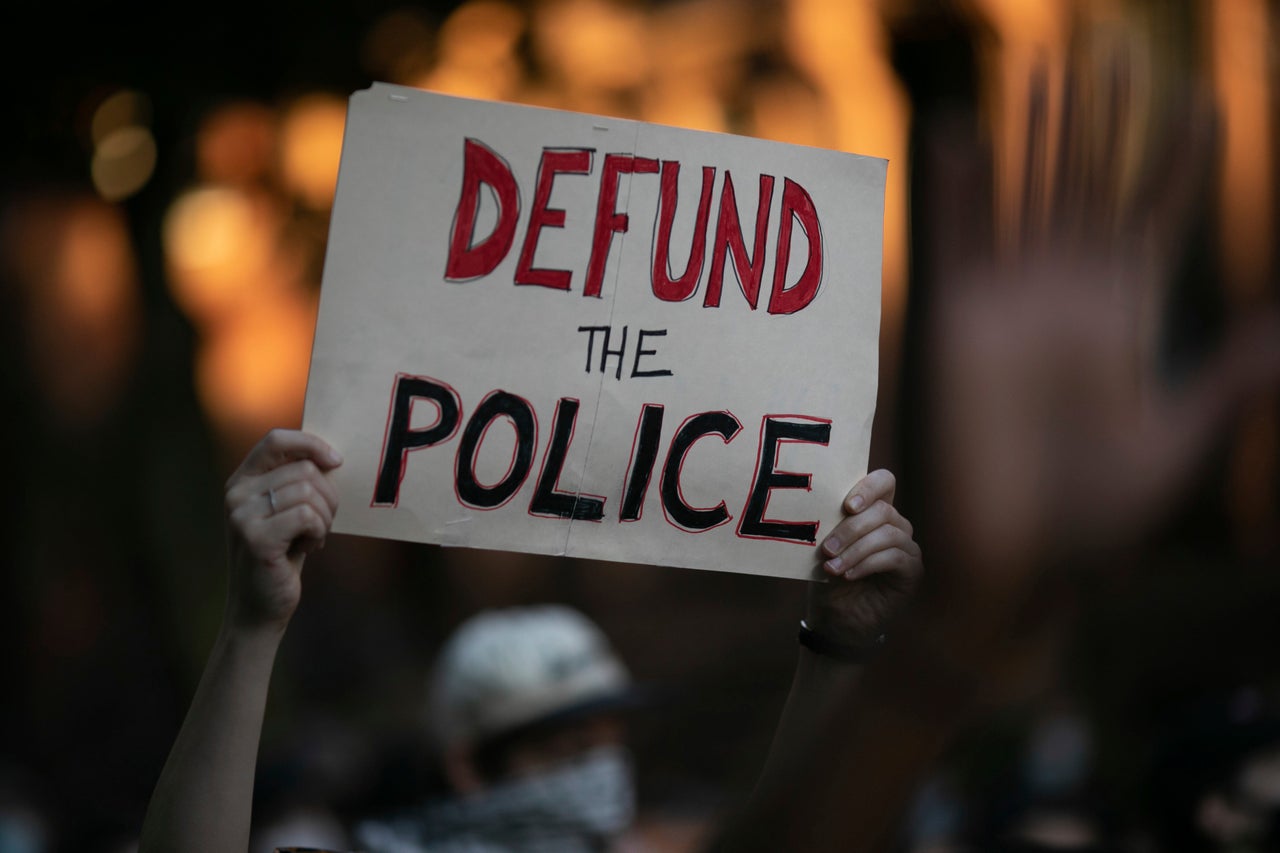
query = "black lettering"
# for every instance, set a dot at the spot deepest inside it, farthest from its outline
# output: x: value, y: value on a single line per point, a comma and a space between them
x: 605, y: 352
x: 648, y: 434
x: 496, y: 405
x: 591, y: 339
x: 640, y: 350
x: 401, y: 439
x: 547, y: 499
x: 753, y: 522
x: 690, y: 518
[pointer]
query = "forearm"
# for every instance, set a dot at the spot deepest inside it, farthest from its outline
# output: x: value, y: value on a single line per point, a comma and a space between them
x: 203, y: 799
x: 819, y: 688
x: 851, y: 750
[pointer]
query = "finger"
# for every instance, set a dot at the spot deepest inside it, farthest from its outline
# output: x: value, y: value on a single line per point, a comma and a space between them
x: 284, y: 531
x: 884, y: 537
x: 252, y: 489
x: 306, y: 545
x: 1170, y: 451
x: 280, y: 446
x: 1107, y: 139
x: 889, y: 561
x: 1066, y: 177
x: 1033, y: 164
x: 300, y: 492
x: 304, y: 471
x: 854, y: 527
x: 879, y: 485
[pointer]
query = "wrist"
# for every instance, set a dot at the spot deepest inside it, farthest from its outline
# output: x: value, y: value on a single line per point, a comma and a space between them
x: 842, y: 625
x: 834, y: 648
x: 238, y: 626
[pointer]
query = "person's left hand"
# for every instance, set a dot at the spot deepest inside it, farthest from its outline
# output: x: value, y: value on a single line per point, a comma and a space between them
x: 873, y: 562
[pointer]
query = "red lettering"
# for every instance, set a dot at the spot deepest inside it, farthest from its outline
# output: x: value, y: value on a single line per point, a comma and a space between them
x: 467, y: 260
x: 575, y: 161
x: 749, y: 269
x: 797, y: 206
x: 664, y: 286
x: 608, y: 220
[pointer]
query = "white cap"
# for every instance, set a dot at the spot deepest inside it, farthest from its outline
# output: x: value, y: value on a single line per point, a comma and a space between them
x: 506, y: 668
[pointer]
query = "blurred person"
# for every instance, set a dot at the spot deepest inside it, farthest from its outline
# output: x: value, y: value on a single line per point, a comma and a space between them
x: 525, y: 708
x: 1055, y: 444
x: 533, y: 770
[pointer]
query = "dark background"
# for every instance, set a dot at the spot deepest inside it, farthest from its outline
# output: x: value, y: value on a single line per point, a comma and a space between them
x: 112, y: 530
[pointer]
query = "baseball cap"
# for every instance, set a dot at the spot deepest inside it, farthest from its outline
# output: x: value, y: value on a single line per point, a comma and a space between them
x: 509, y: 668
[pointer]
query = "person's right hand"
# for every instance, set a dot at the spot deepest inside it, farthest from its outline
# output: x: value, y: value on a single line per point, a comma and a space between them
x: 280, y: 505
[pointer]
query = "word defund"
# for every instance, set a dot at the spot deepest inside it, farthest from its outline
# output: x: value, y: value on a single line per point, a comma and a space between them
x: 472, y: 258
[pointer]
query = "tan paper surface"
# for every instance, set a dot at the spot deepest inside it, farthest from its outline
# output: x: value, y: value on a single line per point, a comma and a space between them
x: 798, y: 381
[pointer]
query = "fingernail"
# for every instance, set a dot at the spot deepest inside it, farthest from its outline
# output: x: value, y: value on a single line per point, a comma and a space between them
x: 832, y: 545
x: 335, y: 457
x: 833, y: 565
x: 856, y: 503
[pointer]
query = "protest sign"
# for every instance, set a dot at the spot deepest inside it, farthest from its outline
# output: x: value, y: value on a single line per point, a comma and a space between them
x: 553, y: 332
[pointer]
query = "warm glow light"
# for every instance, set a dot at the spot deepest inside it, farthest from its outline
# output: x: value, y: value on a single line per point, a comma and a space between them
x: 787, y: 111
x: 682, y: 103
x: 1028, y: 27
x: 1247, y: 229
x: 704, y: 43
x: 699, y: 51
x: 398, y: 47
x: 1243, y: 76
x: 477, y: 52
x: 592, y: 44
x: 251, y: 375
x: 1029, y: 36
x: 481, y: 33
x: 75, y: 264
x: 122, y: 109
x: 123, y: 162
x: 236, y: 143
x: 311, y: 147
x: 841, y: 46
x: 496, y: 82
x: 219, y: 246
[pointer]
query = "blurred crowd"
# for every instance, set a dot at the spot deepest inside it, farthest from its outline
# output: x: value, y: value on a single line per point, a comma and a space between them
x: 1080, y: 228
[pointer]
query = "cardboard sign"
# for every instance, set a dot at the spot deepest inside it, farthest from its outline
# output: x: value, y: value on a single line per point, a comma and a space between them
x: 552, y: 332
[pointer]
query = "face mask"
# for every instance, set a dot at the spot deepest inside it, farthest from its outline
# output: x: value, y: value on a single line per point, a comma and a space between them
x: 593, y: 794
x: 577, y: 806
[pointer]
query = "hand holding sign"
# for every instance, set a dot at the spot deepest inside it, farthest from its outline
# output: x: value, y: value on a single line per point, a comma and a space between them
x: 280, y: 505
x: 876, y: 561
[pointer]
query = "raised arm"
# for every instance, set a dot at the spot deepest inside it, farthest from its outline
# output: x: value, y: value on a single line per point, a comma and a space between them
x: 279, y: 506
x: 873, y: 566
x: 1055, y: 447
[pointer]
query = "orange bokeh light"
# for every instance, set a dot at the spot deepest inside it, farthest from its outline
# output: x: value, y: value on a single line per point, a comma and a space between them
x: 311, y: 147
x: 236, y: 143
x: 252, y: 374
x: 74, y: 261
x: 221, y: 245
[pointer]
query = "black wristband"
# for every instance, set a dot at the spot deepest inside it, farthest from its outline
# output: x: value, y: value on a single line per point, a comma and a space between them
x: 820, y: 644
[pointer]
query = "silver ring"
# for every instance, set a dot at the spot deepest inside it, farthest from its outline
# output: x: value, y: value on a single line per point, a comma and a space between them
x: 271, y: 499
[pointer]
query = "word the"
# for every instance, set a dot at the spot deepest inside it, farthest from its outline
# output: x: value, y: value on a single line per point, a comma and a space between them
x: 605, y: 352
